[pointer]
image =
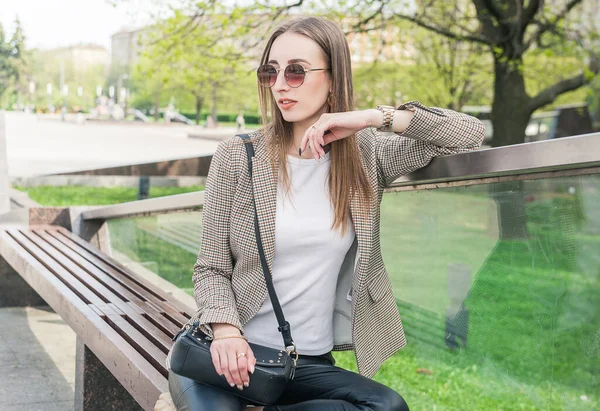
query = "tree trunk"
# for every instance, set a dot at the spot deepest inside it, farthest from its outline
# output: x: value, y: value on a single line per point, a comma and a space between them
x: 156, y: 113
x: 510, y: 115
x: 214, y: 103
x: 510, y: 112
x: 199, y: 101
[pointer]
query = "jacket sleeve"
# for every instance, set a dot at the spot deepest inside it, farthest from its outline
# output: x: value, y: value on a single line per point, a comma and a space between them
x: 431, y: 132
x: 214, y: 267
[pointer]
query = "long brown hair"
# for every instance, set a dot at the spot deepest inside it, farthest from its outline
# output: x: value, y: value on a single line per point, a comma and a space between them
x: 347, y: 176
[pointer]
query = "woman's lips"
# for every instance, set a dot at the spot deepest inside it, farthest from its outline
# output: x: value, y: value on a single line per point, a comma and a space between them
x: 289, y: 103
x: 287, y: 106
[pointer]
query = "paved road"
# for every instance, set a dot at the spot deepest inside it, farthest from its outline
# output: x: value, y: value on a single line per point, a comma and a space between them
x: 48, y: 145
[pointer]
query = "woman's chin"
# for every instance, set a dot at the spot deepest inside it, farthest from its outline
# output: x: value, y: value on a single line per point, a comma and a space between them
x: 293, y: 117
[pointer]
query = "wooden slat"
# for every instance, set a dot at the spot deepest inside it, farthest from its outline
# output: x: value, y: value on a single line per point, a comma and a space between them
x: 130, y: 285
x: 139, y: 341
x: 158, y: 293
x: 73, y: 283
x: 113, y: 266
x: 65, y: 269
x: 130, y: 368
x: 151, y: 319
x: 62, y: 255
x: 97, y: 311
x: 160, y: 310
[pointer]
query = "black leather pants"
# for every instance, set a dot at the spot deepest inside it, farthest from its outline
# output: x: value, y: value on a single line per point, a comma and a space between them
x: 317, y: 385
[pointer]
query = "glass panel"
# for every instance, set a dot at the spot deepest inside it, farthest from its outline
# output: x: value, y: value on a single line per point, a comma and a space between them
x: 164, y: 244
x: 498, y: 287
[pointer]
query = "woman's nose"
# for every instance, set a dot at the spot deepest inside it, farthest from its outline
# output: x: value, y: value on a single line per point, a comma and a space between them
x: 280, y: 83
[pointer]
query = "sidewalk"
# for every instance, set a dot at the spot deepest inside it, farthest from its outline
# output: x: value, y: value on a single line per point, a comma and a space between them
x: 37, y: 357
x: 218, y: 134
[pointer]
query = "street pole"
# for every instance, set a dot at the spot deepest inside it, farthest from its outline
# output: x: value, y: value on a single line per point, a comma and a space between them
x: 4, y: 185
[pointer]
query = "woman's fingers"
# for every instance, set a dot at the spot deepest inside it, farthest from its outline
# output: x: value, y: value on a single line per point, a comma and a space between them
x: 243, y: 369
x: 224, y: 358
x: 228, y: 361
x: 314, y: 142
x: 304, y: 141
x: 320, y: 134
x: 251, y: 360
x: 234, y: 369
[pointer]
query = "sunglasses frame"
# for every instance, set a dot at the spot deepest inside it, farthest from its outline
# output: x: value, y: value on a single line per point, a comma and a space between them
x: 277, y: 70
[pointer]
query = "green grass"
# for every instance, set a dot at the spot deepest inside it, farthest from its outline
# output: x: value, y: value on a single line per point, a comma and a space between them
x: 81, y: 195
x: 172, y: 263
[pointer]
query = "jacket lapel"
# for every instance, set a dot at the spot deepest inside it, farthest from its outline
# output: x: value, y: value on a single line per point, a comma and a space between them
x: 264, y: 183
x: 361, y: 219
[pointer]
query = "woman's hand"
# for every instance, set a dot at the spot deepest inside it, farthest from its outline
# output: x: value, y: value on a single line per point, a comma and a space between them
x: 233, y: 358
x: 339, y: 125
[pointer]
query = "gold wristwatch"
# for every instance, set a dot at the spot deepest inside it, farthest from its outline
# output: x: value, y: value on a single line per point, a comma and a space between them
x: 388, y: 117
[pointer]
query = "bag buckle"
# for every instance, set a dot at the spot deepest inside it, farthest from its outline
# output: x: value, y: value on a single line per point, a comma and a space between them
x: 291, y: 350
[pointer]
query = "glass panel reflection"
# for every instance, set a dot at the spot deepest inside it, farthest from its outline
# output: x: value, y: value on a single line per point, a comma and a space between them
x: 499, y: 290
x: 164, y: 244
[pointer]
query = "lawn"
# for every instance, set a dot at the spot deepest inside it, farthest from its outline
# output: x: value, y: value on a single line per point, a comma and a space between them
x: 64, y: 196
x: 533, y: 338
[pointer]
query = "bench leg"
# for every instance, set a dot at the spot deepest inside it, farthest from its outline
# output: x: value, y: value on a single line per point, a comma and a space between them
x: 14, y: 290
x: 96, y: 389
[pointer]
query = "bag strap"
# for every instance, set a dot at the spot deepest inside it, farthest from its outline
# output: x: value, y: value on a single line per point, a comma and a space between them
x: 284, y: 326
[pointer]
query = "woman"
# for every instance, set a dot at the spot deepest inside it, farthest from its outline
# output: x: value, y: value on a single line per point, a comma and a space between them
x: 318, y: 176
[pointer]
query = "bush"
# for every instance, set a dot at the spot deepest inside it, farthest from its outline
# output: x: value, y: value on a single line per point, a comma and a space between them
x: 226, y: 117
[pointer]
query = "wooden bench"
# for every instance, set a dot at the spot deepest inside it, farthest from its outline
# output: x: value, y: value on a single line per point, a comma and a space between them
x: 124, y: 324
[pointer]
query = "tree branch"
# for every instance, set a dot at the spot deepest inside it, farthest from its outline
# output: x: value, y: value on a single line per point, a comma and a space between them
x: 494, y: 10
x: 544, y: 27
x: 495, y: 30
x: 548, y: 95
x: 283, y: 9
x: 360, y: 25
x: 530, y: 11
x: 443, y: 32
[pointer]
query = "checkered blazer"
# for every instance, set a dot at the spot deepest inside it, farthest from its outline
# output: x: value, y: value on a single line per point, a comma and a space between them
x: 229, y: 286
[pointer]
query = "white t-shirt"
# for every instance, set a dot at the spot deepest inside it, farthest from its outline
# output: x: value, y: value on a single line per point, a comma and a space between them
x: 307, y: 261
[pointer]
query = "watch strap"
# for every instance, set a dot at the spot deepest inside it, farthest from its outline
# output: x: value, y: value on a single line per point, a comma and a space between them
x: 388, y: 117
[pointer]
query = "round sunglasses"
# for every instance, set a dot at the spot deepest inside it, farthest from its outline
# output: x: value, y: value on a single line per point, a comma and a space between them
x: 293, y: 74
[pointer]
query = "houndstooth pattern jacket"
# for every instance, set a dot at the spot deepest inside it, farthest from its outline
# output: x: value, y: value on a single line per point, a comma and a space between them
x: 229, y: 286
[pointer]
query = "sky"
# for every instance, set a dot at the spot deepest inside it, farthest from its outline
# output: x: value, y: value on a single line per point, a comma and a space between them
x: 56, y: 23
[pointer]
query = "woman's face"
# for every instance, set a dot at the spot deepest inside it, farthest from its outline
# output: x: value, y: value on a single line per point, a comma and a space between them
x: 308, y: 101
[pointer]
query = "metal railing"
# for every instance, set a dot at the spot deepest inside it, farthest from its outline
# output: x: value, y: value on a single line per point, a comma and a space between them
x: 541, y: 159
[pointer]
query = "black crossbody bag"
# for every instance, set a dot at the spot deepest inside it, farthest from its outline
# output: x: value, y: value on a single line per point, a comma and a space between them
x: 190, y: 356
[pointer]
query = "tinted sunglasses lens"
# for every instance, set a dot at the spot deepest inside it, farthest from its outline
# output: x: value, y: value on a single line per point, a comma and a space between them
x: 267, y: 75
x: 294, y: 75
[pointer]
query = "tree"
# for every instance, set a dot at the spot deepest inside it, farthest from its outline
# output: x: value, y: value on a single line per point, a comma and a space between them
x: 508, y: 30
x: 149, y: 83
x: 203, y: 49
x: 449, y: 73
x: 11, y: 56
x: 44, y: 66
